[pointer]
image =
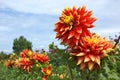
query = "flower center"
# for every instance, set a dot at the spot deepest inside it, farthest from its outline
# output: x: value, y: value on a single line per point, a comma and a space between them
x: 48, y: 72
x: 68, y: 19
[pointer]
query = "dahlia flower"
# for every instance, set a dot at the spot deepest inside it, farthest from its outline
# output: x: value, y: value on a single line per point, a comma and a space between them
x: 9, y: 63
x: 47, y: 72
x: 91, y: 51
x: 73, y: 24
x: 42, y: 58
x: 17, y: 64
x: 25, y: 64
x: 26, y: 53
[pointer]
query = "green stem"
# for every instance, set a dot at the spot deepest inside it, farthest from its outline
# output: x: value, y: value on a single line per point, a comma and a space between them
x: 97, y: 75
x: 71, y: 74
x: 83, y: 75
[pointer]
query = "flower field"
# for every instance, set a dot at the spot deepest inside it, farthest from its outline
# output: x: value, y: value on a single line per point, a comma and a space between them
x: 62, y: 68
x: 86, y: 55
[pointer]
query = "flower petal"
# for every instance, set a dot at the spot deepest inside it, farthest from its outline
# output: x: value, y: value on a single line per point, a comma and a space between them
x: 83, y: 66
x: 71, y: 34
x: 80, y: 54
x: 80, y: 60
x: 87, y: 59
x: 92, y: 57
x: 97, y: 60
x: 90, y: 65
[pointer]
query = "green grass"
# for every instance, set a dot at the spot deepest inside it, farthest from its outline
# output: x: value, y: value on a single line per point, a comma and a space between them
x: 16, y: 74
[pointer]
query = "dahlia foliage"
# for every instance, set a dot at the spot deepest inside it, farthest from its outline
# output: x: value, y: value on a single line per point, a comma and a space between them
x: 73, y: 30
x: 29, y: 60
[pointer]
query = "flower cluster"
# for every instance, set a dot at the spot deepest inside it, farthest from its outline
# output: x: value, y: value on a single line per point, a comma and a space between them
x: 73, y: 30
x: 28, y: 60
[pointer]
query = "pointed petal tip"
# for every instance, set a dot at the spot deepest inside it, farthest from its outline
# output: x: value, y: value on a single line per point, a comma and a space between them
x: 90, y: 66
x: 80, y: 54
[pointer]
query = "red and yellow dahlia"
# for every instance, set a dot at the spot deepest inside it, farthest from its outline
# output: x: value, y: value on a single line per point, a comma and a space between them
x: 73, y: 24
x: 42, y: 58
x: 26, y: 53
x: 25, y: 64
x: 9, y: 63
x: 47, y: 72
x: 91, y: 51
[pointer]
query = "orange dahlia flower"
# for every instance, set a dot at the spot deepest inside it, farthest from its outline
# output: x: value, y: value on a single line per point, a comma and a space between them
x: 91, y: 51
x: 25, y: 64
x: 9, y: 63
x: 47, y: 72
x: 42, y: 58
x: 26, y: 53
x: 73, y: 24
x: 17, y: 64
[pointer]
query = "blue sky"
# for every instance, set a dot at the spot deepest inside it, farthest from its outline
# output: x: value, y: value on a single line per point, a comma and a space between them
x: 35, y: 19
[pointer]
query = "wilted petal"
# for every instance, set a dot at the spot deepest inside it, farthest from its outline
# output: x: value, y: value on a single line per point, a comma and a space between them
x: 83, y: 66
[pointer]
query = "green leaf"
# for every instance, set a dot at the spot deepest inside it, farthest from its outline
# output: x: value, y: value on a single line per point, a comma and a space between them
x: 102, y: 77
x: 113, y: 76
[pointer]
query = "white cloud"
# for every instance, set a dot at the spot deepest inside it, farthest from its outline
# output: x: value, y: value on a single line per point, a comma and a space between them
x: 106, y: 31
x: 5, y: 28
x: 27, y: 20
x: 55, y: 6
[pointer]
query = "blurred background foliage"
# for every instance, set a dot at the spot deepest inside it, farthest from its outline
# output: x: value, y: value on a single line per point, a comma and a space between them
x: 64, y: 67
